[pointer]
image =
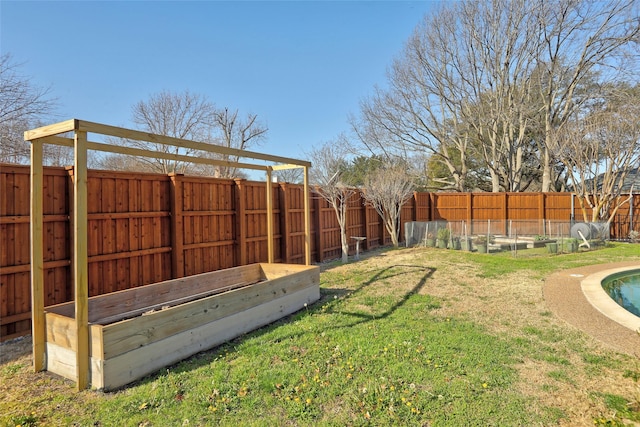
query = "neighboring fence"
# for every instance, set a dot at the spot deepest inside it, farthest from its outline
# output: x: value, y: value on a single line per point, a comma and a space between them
x: 145, y: 228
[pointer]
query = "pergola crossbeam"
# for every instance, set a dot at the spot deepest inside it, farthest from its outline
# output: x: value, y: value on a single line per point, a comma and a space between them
x: 118, y: 132
x: 139, y: 152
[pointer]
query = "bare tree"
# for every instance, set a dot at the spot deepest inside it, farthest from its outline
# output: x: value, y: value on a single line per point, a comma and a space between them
x: 193, y: 117
x: 463, y: 78
x: 327, y: 174
x: 179, y: 115
x: 420, y: 112
x: 491, y: 80
x: 599, y: 151
x: 56, y: 155
x: 581, y: 40
x: 387, y: 190
x: 236, y: 132
x: 293, y: 176
x: 501, y: 54
x: 23, y: 105
x: 118, y: 162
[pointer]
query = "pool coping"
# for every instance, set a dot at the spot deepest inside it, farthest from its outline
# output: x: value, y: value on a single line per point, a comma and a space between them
x: 600, y: 299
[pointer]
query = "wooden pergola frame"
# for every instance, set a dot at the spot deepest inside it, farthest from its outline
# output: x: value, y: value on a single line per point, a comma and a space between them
x: 80, y: 143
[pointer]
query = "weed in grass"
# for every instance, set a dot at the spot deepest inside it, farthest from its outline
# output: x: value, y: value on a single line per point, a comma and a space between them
x: 608, y: 422
x: 549, y: 335
x: 555, y: 414
x: 561, y: 376
x: 634, y: 405
x: 25, y: 420
x: 11, y: 369
x: 596, y: 364
x: 633, y: 374
x: 556, y: 360
x: 622, y: 409
x: 550, y: 388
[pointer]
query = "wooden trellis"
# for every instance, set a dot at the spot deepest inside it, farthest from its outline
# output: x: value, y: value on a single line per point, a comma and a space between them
x: 55, y: 134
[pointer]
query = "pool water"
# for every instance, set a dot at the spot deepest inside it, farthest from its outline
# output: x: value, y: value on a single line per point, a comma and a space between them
x: 624, y: 289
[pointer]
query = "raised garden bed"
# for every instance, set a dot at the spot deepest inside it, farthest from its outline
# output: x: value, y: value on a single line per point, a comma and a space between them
x: 513, y: 245
x: 542, y: 243
x: 135, y: 332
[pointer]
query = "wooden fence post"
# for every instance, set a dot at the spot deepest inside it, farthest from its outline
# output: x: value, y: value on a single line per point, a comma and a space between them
x: 432, y: 206
x: 505, y: 212
x: 383, y: 229
x: 367, y: 242
x: 269, y: 187
x: 307, y: 217
x: 285, y: 224
x: 317, y: 219
x: 241, y: 232
x: 177, y: 227
x: 470, y: 213
x: 541, y: 213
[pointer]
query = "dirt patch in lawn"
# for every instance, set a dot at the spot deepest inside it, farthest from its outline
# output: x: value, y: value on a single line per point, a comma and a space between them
x: 14, y: 349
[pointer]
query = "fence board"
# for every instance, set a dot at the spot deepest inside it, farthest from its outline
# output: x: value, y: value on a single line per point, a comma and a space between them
x: 423, y: 206
x: 450, y: 207
x: 557, y: 206
x: 208, y: 218
x: 523, y: 206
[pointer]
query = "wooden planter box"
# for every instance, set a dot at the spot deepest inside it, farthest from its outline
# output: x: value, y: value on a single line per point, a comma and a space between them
x: 542, y: 243
x: 135, y: 332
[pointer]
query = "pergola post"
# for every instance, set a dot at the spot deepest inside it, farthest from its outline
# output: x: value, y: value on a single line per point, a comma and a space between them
x: 37, y: 259
x: 80, y: 261
x: 271, y: 256
x: 307, y: 219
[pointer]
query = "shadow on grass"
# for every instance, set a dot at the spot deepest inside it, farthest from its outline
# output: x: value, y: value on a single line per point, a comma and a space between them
x: 346, y: 294
x: 327, y: 296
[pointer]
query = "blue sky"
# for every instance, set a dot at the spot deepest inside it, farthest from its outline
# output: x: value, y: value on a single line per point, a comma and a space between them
x: 302, y: 67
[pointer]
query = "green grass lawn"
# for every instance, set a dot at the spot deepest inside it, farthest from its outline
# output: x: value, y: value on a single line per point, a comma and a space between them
x: 420, y: 337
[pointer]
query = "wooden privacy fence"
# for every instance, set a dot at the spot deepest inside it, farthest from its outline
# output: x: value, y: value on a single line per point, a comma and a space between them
x: 145, y: 228
x: 520, y: 208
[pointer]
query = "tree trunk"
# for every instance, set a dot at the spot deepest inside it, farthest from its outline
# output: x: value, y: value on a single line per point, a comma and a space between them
x: 495, y: 182
x: 345, y: 244
x: 545, y: 161
x: 392, y: 228
x: 340, y: 208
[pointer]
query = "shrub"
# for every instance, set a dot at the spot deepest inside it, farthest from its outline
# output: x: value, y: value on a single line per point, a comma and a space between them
x: 443, y: 234
x: 482, y: 239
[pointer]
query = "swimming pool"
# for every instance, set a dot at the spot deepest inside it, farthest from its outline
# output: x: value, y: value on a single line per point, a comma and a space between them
x: 593, y: 290
x: 624, y: 289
